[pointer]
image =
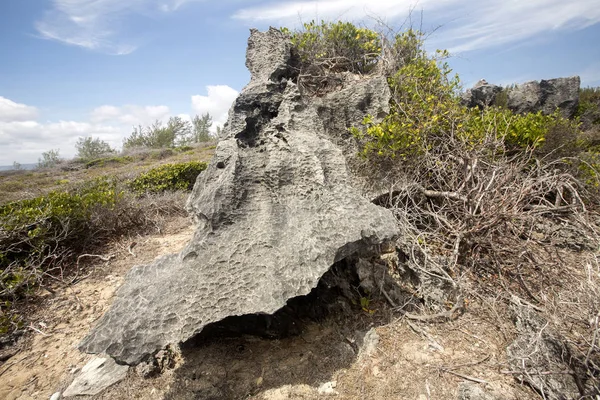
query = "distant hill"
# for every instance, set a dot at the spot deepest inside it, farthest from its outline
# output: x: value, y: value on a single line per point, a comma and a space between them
x: 23, y: 166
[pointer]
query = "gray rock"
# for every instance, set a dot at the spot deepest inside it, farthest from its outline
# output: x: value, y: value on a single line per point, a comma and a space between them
x: 275, y: 209
x: 481, y: 95
x: 369, y: 344
x: 472, y: 391
x: 538, y: 349
x: 95, y: 376
x: 546, y: 96
x: 529, y: 97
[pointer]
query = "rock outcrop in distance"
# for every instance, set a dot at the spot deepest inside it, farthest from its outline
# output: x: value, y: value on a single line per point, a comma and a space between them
x: 529, y: 97
x: 276, y: 208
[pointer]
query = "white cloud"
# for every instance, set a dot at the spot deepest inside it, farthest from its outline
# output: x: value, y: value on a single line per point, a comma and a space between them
x: 130, y: 115
x: 25, y: 141
x: 23, y: 137
x: 472, y: 24
x: 11, y: 111
x: 98, y: 24
x: 217, y: 103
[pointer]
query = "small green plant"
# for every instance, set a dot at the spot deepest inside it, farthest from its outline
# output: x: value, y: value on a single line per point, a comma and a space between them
x: 171, y: 177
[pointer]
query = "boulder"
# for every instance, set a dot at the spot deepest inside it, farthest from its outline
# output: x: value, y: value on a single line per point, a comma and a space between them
x: 546, y: 96
x: 529, y: 97
x: 481, y: 95
x: 276, y: 208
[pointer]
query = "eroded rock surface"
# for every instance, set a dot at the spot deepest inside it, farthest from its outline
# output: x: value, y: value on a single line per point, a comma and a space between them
x: 276, y: 208
x: 546, y: 96
x: 529, y: 97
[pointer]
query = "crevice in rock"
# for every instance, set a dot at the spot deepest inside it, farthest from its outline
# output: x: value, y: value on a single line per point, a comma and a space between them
x: 352, y: 286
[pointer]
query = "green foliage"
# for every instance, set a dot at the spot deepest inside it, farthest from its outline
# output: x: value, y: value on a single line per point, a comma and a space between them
x: 89, y: 148
x: 49, y: 159
x: 425, y: 110
x: 201, y: 128
x: 589, y: 107
x: 424, y: 104
x: 158, y: 135
x: 170, y: 177
x: 35, y: 234
x: 177, y: 132
x: 101, y: 162
x: 341, y: 45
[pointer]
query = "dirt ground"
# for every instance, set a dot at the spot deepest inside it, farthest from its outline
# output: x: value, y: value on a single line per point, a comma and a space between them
x: 411, y: 360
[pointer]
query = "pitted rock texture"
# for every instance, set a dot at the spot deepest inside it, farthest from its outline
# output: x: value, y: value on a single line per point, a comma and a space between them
x: 276, y: 208
x: 546, y: 96
x: 481, y: 95
x: 529, y: 97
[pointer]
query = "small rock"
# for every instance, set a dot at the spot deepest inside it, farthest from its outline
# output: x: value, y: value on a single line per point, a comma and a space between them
x: 328, y: 388
x: 56, y: 396
x: 95, y: 376
x: 369, y: 343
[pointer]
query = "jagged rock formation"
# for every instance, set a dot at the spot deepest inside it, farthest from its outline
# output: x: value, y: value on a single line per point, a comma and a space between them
x: 481, y: 95
x: 534, y: 96
x: 276, y: 208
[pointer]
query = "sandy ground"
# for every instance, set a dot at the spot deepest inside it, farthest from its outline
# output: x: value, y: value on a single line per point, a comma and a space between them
x: 48, y: 358
x: 412, y: 360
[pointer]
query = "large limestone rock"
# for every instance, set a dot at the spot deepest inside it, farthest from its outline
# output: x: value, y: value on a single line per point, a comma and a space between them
x: 529, y: 97
x: 546, y: 96
x: 275, y: 209
x: 481, y: 95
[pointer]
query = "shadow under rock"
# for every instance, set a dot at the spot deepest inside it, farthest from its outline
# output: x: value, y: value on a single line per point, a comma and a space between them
x: 305, y: 342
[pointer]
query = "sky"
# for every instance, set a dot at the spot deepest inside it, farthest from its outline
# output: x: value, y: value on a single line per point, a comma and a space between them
x: 79, y: 68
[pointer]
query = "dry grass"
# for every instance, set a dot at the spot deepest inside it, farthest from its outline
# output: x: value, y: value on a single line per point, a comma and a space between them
x: 19, y: 185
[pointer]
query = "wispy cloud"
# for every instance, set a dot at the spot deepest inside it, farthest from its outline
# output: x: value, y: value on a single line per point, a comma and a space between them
x: 472, y: 24
x: 98, y: 25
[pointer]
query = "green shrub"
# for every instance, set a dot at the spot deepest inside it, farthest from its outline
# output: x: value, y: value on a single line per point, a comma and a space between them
x: 101, y: 162
x: 589, y: 107
x: 425, y: 110
x: 171, y: 177
x: 340, y: 45
x: 89, y: 148
x: 37, y: 234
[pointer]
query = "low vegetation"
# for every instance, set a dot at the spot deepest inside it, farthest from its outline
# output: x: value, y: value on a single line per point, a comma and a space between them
x: 168, y: 177
x: 77, y: 208
x: 474, y: 191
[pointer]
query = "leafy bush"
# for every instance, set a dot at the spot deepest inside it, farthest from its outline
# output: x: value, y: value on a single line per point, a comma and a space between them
x: 37, y: 234
x: 168, y: 177
x: 101, y: 162
x: 158, y: 135
x: 589, y: 107
x: 49, y: 159
x: 425, y: 109
x: 341, y: 46
x: 89, y: 148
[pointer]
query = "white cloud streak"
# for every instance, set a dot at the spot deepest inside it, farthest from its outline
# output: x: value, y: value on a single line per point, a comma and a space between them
x: 471, y: 24
x: 98, y: 25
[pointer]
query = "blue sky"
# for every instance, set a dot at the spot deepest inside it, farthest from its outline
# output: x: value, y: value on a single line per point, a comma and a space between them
x: 72, y: 68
